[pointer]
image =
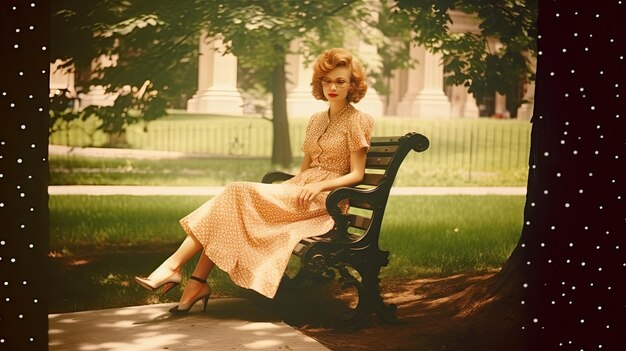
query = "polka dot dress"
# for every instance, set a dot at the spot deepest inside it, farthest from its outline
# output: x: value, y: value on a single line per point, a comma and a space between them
x: 250, y: 229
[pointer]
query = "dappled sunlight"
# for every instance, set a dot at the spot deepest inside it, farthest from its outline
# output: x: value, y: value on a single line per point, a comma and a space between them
x: 475, y: 306
x: 118, y: 324
x: 67, y: 320
x: 228, y: 324
x: 156, y: 342
x: 55, y: 331
x: 443, y: 295
x: 263, y: 344
x: 79, y: 262
x: 269, y: 332
x: 55, y: 254
x: 442, y: 301
x: 257, y: 327
x: 152, y: 311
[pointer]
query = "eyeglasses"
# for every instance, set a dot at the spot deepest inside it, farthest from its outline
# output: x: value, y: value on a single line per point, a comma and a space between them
x: 339, y: 83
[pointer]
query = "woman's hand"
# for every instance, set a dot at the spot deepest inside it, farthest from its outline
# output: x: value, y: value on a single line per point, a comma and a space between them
x: 308, y: 193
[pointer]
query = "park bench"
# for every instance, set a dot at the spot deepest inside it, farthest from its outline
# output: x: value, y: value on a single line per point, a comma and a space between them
x: 352, y: 245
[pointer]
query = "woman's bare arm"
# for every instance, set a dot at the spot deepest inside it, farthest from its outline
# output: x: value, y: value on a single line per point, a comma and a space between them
x: 356, y: 174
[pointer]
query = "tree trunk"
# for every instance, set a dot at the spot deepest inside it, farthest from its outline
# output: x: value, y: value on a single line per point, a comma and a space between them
x: 565, y: 281
x: 281, y: 147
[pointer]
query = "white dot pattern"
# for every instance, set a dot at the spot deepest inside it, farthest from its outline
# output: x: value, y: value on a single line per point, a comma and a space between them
x: 250, y: 229
x: 23, y: 177
x: 575, y: 221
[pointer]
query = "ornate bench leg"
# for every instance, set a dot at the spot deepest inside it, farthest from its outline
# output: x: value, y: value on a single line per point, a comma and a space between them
x: 303, y: 275
x: 297, y: 280
x: 368, y: 288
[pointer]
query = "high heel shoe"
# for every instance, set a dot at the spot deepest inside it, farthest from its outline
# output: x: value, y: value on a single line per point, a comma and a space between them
x: 168, y: 283
x: 182, y: 309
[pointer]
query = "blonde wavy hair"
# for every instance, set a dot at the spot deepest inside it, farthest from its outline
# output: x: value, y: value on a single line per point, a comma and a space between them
x: 338, y: 57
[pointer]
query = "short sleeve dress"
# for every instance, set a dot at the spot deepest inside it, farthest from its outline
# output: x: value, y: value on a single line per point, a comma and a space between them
x: 250, y: 229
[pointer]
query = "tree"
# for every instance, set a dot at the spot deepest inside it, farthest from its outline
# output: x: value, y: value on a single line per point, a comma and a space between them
x: 95, y: 29
x: 570, y: 254
x: 567, y: 270
x: 469, y: 58
x: 152, y: 38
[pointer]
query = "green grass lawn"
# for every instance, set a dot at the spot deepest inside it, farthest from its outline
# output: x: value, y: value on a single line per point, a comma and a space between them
x: 462, y: 151
x: 450, y: 234
x: 98, y: 243
x: 77, y: 170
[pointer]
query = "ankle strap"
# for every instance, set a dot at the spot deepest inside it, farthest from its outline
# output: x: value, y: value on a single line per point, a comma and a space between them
x: 198, y: 279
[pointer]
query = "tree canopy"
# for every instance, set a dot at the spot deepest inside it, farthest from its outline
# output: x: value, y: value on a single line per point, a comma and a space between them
x: 155, y: 40
x: 155, y: 45
x: 469, y: 58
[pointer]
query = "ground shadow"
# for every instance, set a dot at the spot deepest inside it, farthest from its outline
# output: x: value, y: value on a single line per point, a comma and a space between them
x: 94, y: 278
x: 444, y: 313
x: 455, y: 312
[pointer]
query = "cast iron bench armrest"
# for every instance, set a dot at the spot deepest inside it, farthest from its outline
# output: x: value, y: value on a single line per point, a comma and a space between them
x: 276, y: 176
x: 333, y: 202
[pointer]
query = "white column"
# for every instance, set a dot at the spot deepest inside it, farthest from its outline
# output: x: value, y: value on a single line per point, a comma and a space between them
x: 217, y: 81
x: 457, y: 100
x: 97, y: 95
x: 372, y: 102
x: 397, y: 85
x: 425, y: 96
x: 61, y: 79
x: 462, y: 103
x: 500, y: 105
x: 414, y: 83
x: 300, y: 100
x: 465, y: 23
x: 525, y: 112
x: 470, y: 108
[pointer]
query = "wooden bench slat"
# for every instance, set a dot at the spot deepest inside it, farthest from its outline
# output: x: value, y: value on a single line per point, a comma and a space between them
x: 299, y: 248
x: 304, y: 243
x: 360, y: 204
x: 382, y: 149
x: 355, y: 233
x: 372, y: 179
x: 378, y: 162
x: 360, y: 221
x: 385, y: 140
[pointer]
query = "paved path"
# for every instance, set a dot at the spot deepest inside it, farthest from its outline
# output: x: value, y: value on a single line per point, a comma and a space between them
x: 228, y: 324
x: 213, y: 190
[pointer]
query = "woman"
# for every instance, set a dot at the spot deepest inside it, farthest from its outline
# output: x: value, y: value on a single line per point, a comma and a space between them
x: 250, y: 229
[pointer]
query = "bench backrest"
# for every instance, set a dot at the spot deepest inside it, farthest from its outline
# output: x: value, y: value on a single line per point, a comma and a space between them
x: 384, y: 158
